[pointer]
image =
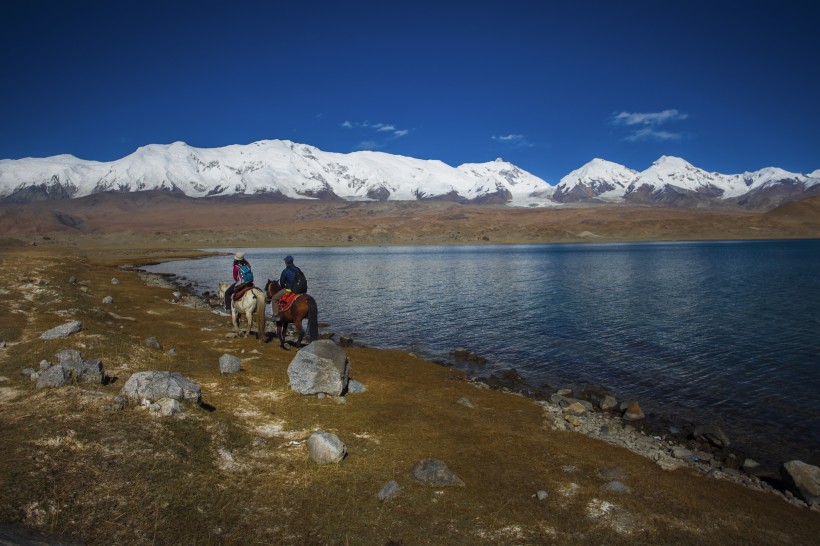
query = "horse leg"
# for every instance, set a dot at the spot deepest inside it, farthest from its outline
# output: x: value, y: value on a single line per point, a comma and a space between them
x: 280, y: 327
x: 235, y: 319
x: 300, y: 333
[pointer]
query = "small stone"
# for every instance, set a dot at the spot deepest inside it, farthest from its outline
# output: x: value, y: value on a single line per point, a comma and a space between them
x: 541, y: 495
x: 616, y: 486
x: 460, y: 352
x: 345, y: 341
x: 434, y: 472
x: 326, y: 448
x: 108, y: 300
x: 712, y: 434
x: 572, y: 420
x: 576, y: 408
x: 45, y: 364
x: 229, y: 364
x: 389, y: 490
x: 464, y: 401
x: 115, y: 281
x: 72, y: 280
x: 607, y: 403
x: 354, y: 387
x: 682, y: 453
x: 153, y: 343
x: 62, y: 331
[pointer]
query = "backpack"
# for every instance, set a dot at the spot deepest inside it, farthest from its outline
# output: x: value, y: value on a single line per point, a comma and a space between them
x: 245, y: 273
x: 299, y: 283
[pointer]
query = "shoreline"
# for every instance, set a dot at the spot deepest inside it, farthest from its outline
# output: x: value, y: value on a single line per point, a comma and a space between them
x: 655, y: 437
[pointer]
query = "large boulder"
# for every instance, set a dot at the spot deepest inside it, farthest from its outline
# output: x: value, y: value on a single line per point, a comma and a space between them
x: 321, y: 367
x: 803, y: 480
x: 158, y: 385
x: 54, y: 377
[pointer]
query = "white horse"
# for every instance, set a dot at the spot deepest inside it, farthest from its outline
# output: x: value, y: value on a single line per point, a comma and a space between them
x: 252, y: 304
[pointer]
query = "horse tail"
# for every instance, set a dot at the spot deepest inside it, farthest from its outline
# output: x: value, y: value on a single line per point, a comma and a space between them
x: 313, y: 319
x: 260, y: 314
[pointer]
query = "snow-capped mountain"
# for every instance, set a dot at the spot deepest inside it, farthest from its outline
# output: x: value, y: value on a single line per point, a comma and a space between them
x: 300, y: 171
x: 280, y: 167
x: 597, y: 179
x: 673, y: 181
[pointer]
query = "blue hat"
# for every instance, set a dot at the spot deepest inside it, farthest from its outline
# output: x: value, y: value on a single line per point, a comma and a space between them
x: 288, y: 259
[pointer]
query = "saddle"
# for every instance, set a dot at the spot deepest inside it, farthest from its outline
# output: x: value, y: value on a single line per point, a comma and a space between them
x: 239, y: 292
x: 286, y: 301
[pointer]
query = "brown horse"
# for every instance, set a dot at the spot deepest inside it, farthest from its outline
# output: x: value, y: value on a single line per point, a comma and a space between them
x: 303, y: 306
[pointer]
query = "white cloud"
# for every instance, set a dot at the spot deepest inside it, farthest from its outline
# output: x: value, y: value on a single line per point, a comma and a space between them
x: 651, y: 134
x: 652, y: 119
x: 645, y: 125
x: 378, y: 127
x: 519, y: 141
x: 370, y: 145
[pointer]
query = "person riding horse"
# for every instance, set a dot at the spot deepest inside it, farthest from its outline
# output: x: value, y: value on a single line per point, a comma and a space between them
x: 239, y: 282
x: 286, y: 280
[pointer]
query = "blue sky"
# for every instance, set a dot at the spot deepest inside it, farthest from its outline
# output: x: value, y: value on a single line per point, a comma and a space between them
x: 729, y: 86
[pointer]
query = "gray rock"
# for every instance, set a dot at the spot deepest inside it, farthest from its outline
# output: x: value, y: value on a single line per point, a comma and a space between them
x: 354, y: 387
x: 229, y: 364
x: 72, y: 279
x: 434, y: 472
x: 803, y: 480
x: 87, y: 371
x: 119, y: 402
x: 63, y: 330
x: 682, y: 453
x: 108, y: 300
x: 712, y: 434
x: 169, y: 406
x: 464, y: 401
x: 54, y: 377
x: 153, y: 343
x: 68, y: 356
x: 541, y: 495
x: 389, y: 490
x: 320, y: 367
x: 326, y: 448
x: 45, y: 364
x: 158, y: 385
x: 115, y: 281
x: 616, y: 486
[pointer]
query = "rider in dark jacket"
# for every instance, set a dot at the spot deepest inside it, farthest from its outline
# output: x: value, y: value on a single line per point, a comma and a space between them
x: 286, y: 280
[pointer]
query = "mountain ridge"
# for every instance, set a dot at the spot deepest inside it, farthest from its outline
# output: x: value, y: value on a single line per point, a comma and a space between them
x: 301, y: 171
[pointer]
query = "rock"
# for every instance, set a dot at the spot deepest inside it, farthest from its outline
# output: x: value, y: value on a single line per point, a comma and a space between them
x: 158, y: 385
x: 711, y: 434
x: 169, y: 406
x: 87, y: 371
x: 541, y: 495
x: 153, y: 343
x: 682, y: 453
x: 633, y: 411
x: 354, y: 387
x: 119, y: 402
x: 72, y: 280
x: 62, y: 331
x: 229, y: 364
x: 750, y: 466
x: 326, y: 448
x: 108, y: 300
x: 607, y: 403
x: 320, y: 367
x: 44, y: 364
x: 572, y: 420
x: 389, y: 490
x: 345, y: 341
x: 616, y: 486
x: 576, y: 408
x: 27, y: 372
x: 464, y: 401
x: 460, y: 353
x: 434, y: 472
x: 54, y: 377
x: 327, y: 335
x: 803, y: 480
x: 115, y: 281
x: 176, y: 295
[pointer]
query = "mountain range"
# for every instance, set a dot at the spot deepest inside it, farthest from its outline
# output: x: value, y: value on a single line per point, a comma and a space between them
x: 290, y: 170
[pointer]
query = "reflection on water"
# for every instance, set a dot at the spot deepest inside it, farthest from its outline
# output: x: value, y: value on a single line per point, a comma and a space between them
x: 723, y: 332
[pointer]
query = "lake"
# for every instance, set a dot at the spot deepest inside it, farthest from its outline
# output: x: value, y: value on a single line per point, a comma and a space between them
x: 700, y: 332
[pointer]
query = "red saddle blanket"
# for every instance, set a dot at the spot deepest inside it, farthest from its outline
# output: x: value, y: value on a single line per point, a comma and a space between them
x: 286, y: 301
x: 238, y: 293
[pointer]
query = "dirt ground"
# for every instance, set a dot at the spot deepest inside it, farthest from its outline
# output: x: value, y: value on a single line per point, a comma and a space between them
x: 236, y: 470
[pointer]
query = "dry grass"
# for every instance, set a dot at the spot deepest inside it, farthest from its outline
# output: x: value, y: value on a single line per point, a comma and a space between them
x: 240, y: 474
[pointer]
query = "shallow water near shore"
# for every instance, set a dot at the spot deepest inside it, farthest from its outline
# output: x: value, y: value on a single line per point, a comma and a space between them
x: 702, y: 332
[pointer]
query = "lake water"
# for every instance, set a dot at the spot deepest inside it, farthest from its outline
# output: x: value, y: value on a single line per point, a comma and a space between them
x: 702, y: 332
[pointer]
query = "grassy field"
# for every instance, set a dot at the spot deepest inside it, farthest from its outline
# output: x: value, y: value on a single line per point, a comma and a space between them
x: 236, y: 471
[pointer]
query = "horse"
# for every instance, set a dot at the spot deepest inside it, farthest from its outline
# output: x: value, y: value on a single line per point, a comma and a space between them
x: 303, y: 306
x: 252, y: 303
